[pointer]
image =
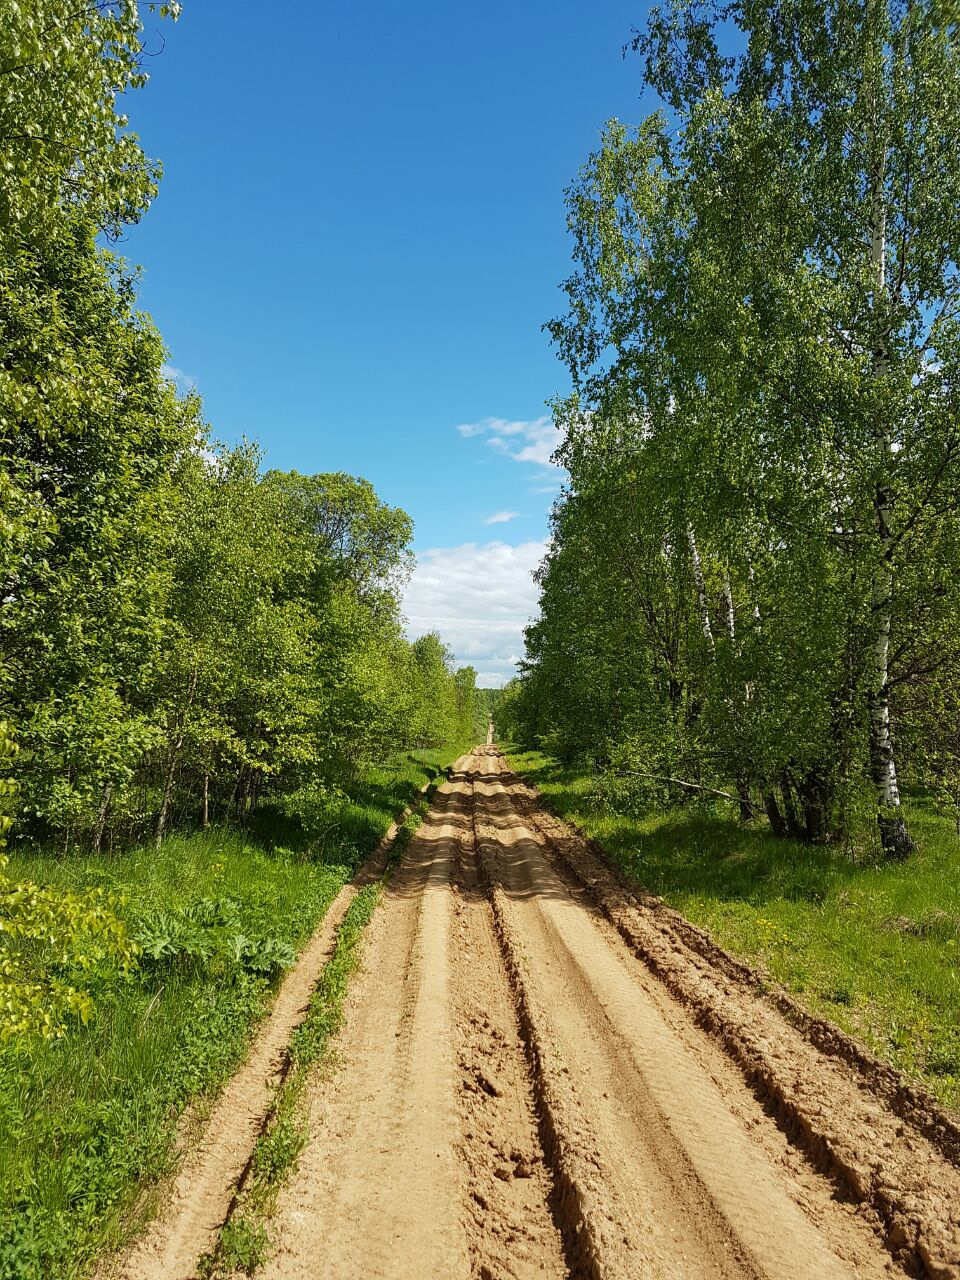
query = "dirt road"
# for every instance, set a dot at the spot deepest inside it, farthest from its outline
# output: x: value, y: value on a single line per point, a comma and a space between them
x: 543, y: 1075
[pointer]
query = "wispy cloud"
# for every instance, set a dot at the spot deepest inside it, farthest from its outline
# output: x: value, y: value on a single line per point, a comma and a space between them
x: 183, y: 381
x: 479, y: 597
x: 532, y: 440
x: 501, y: 517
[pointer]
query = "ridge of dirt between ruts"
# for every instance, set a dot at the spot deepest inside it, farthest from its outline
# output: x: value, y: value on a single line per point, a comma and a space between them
x: 204, y: 1189
x: 572, y: 1216
x: 910, y: 1101
x: 510, y: 1188
x: 911, y: 1181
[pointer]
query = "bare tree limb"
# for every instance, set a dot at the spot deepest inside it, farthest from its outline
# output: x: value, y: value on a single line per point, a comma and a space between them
x: 690, y: 786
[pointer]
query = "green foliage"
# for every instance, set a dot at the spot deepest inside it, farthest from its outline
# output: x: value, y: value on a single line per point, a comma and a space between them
x: 750, y: 583
x: 244, y: 1246
x: 207, y: 933
x: 184, y: 637
x: 267, y: 665
x: 278, y: 1149
x: 47, y: 940
x: 63, y: 138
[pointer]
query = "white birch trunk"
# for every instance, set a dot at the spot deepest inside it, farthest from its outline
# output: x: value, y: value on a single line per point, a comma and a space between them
x: 743, y: 790
x: 894, y: 838
x: 728, y: 610
x: 101, y: 827
x: 701, y: 586
x: 175, y: 748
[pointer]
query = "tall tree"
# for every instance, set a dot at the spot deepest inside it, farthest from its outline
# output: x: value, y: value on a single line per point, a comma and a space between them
x: 769, y: 286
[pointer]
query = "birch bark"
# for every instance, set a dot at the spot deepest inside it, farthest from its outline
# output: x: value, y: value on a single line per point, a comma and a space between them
x: 894, y: 837
x: 701, y: 587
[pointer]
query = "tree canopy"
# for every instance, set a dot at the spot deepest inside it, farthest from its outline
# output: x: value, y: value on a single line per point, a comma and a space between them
x: 750, y: 578
x: 184, y: 635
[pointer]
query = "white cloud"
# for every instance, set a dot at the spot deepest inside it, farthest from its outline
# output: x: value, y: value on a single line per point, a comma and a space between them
x: 501, y: 517
x: 531, y: 440
x: 183, y: 381
x: 479, y: 597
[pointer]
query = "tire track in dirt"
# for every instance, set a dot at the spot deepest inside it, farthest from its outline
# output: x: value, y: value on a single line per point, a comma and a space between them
x: 510, y: 1188
x: 670, y: 1181
x: 423, y: 1158
x: 204, y: 1187
x: 888, y: 1148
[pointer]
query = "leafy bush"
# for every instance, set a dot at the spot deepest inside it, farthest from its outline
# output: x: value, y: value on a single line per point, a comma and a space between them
x: 318, y: 808
x: 47, y: 935
x: 205, y: 932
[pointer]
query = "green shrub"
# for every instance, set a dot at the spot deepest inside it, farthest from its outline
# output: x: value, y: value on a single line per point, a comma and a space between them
x: 205, y: 932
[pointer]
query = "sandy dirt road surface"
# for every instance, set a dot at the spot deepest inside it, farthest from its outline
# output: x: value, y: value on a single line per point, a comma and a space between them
x: 542, y: 1074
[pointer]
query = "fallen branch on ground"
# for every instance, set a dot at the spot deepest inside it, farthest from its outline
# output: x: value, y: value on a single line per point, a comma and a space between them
x: 690, y: 786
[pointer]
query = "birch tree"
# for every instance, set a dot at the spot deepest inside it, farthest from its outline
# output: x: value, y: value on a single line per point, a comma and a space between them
x: 773, y: 264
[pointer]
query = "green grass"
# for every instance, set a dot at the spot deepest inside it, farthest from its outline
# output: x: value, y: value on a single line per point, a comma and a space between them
x: 88, y: 1123
x: 874, y: 948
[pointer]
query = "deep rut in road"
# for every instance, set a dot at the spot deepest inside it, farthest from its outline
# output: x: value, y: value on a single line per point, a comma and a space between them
x: 538, y: 1077
x: 543, y: 1072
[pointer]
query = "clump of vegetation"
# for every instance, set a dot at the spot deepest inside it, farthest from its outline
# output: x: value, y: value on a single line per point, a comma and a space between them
x: 49, y: 942
x: 243, y: 1247
x: 207, y: 932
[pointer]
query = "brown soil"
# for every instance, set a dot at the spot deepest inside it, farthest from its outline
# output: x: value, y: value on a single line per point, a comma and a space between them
x: 203, y: 1191
x: 544, y: 1073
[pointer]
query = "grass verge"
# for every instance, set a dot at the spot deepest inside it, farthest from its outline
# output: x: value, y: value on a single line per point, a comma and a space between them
x: 872, y: 947
x: 244, y: 1242
x: 88, y: 1123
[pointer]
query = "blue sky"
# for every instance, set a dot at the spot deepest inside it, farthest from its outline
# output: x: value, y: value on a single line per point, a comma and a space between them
x: 360, y: 232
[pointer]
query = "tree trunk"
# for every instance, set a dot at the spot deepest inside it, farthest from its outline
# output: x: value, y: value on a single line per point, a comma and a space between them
x: 701, y: 587
x: 100, y: 828
x: 730, y: 617
x: 814, y: 809
x: 790, y: 809
x: 743, y: 789
x: 205, y: 811
x: 818, y: 795
x: 168, y: 789
x: 894, y: 837
x: 743, y: 797
x: 175, y: 749
x: 777, y: 824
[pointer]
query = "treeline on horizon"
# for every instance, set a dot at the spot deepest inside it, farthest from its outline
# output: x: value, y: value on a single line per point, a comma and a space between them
x: 752, y: 581
x: 183, y: 636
